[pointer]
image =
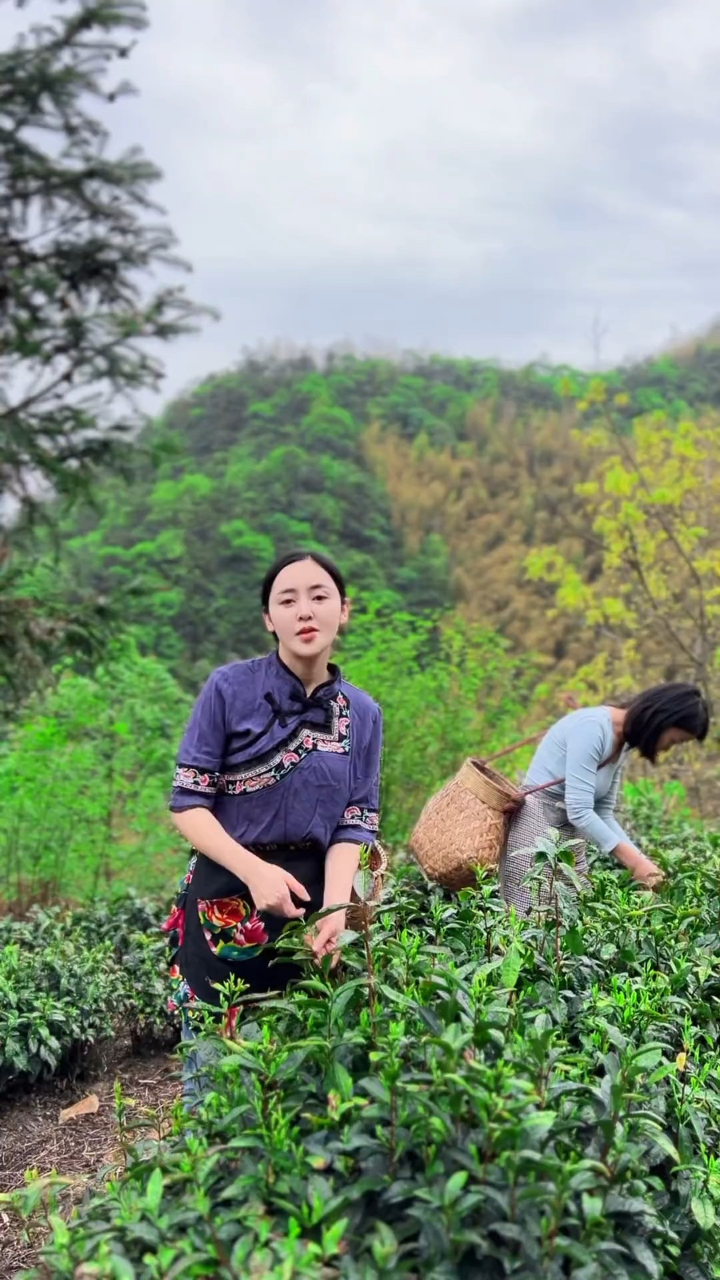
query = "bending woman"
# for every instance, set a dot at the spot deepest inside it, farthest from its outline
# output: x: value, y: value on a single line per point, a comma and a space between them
x: 276, y: 789
x: 588, y: 750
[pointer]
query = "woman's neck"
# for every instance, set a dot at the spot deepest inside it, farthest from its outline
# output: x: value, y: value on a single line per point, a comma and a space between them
x: 311, y: 671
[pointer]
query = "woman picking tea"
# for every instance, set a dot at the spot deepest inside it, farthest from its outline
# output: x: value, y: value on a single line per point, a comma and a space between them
x: 584, y: 755
x: 276, y: 789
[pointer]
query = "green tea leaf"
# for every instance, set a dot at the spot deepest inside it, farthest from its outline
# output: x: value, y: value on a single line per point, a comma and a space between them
x: 511, y: 966
x: 363, y: 884
x: 454, y: 1186
x: 645, y: 1256
x: 703, y: 1211
x: 154, y: 1191
x: 647, y: 1058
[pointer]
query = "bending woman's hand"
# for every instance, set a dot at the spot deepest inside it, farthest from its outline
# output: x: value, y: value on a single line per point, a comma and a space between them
x: 642, y: 869
x: 647, y: 872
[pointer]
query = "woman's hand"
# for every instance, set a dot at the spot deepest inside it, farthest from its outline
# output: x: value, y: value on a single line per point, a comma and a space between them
x: 642, y: 869
x: 271, y: 887
x: 646, y: 872
x: 327, y: 932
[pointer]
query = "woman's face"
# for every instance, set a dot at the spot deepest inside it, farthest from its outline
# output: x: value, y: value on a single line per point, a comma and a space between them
x: 305, y: 610
x: 673, y: 738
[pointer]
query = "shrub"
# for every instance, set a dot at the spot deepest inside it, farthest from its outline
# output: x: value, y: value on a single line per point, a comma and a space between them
x: 69, y: 980
x: 467, y: 1098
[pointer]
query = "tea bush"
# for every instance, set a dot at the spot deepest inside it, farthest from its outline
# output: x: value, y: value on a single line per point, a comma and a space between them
x: 469, y: 1097
x: 69, y: 980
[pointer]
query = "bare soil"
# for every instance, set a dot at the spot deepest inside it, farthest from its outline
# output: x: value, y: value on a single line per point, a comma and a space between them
x: 83, y: 1148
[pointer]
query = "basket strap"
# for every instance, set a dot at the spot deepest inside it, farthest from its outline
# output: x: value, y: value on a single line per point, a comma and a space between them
x: 527, y: 742
x: 543, y: 786
x: 506, y: 751
x: 556, y: 782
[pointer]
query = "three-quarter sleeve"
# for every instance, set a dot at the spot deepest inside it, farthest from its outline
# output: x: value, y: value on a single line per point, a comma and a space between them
x: 360, y: 821
x: 201, y: 753
x: 605, y: 808
x: 585, y: 749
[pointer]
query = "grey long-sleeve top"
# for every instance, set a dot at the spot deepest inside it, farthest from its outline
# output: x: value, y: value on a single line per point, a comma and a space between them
x: 574, y: 749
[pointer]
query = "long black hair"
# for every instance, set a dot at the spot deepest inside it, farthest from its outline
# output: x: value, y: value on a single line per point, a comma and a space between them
x: 294, y: 557
x: 674, y: 705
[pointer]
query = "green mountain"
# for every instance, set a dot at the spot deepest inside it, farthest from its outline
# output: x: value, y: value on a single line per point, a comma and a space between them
x: 428, y: 479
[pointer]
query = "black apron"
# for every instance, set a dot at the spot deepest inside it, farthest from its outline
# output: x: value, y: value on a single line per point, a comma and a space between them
x: 262, y: 970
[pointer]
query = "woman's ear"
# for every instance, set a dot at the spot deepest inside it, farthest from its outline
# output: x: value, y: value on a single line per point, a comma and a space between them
x: 268, y: 624
x: 345, y: 612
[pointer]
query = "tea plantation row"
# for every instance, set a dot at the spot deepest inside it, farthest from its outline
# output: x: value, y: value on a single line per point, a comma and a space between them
x: 69, y: 980
x: 465, y: 1098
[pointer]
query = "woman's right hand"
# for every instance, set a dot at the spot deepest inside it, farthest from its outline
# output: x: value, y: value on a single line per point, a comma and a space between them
x: 271, y: 887
x: 646, y: 872
x: 642, y: 869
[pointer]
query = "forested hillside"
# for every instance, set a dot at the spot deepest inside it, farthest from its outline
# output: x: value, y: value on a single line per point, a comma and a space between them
x: 431, y: 481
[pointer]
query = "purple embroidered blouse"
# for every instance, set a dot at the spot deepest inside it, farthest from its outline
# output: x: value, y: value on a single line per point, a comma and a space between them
x: 277, y: 767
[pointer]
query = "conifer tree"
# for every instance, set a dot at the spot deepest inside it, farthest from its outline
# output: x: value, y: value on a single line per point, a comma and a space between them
x: 82, y: 244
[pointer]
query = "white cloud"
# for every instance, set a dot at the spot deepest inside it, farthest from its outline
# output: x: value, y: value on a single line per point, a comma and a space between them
x: 472, y: 175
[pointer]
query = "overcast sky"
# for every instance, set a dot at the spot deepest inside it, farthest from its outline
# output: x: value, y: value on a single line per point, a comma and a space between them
x: 479, y: 177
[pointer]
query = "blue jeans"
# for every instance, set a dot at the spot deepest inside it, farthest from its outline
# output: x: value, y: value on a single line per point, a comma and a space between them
x: 204, y: 1053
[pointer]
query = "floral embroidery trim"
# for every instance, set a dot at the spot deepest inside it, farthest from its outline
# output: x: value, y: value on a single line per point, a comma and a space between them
x: 181, y: 996
x: 175, y: 923
x: 232, y: 931
x: 174, y: 926
x: 283, y: 759
x: 355, y: 816
x: 183, y: 1000
x: 202, y: 780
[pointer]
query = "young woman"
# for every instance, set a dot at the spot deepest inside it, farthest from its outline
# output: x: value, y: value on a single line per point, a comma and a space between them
x: 588, y: 750
x: 276, y: 789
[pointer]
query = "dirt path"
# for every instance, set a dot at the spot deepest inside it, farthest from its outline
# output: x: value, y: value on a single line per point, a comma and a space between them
x: 31, y: 1136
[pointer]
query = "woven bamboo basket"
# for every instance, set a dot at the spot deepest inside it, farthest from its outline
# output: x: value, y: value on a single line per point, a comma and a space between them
x: 465, y: 825
x: 377, y: 866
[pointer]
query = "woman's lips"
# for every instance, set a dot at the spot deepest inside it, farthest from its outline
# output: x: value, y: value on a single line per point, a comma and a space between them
x: 308, y: 634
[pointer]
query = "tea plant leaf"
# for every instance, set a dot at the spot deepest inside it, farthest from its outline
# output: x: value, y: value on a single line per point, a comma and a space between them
x: 385, y: 1246
x: 376, y: 1089
x: 454, y: 1186
x: 540, y: 1123
x: 631, y: 1205
x: 292, y: 1063
x: 592, y: 1208
x: 574, y: 942
x: 511, y: 966
x: 663, y: 1141
x: 60, y: 1230
x: 703, y: 1211
x: 343, y: 1081
x: 691, y: 1271
x: 363, y: 884
x: 154, y: 1193
x: 645, y: 1256
x: 647, y: 1058
x: 614, y: 1035
x: 332, y: 1237
x: 347, y: 936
